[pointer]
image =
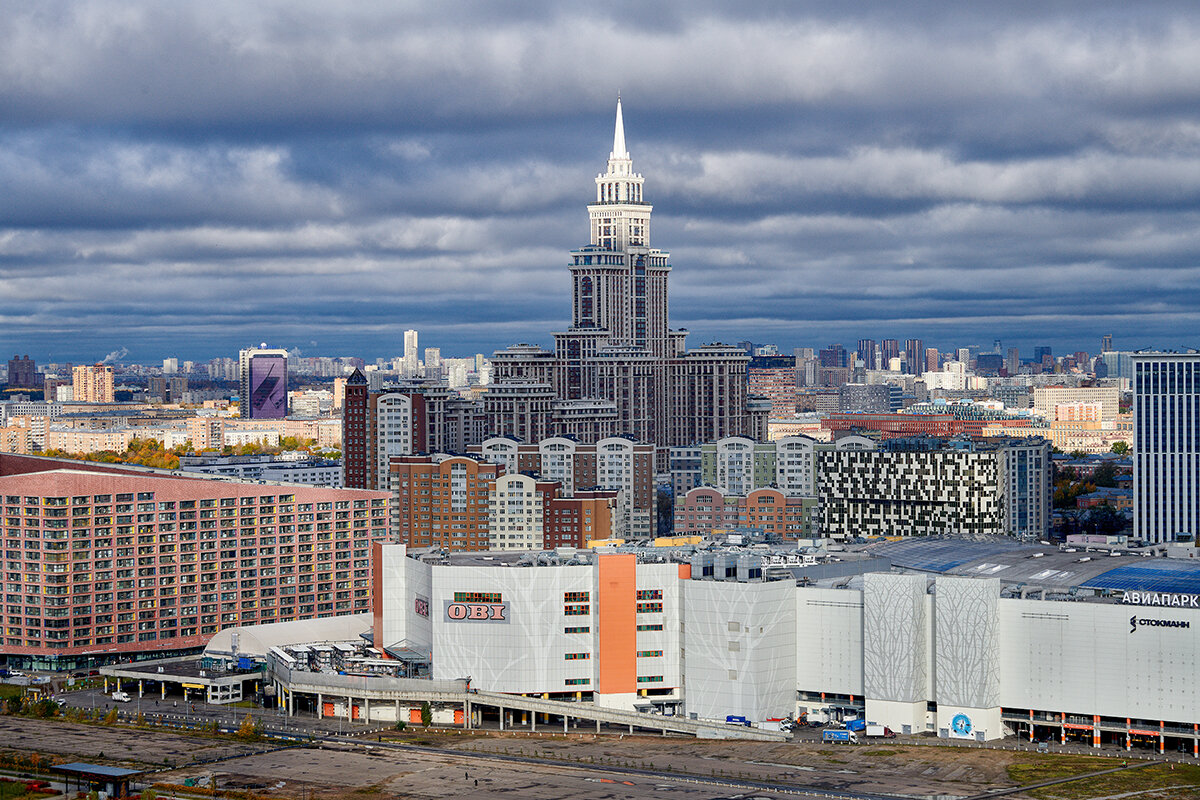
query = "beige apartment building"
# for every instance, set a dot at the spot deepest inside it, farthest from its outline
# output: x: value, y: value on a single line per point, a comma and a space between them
x: 1047, y: 398
x: 92, y: 384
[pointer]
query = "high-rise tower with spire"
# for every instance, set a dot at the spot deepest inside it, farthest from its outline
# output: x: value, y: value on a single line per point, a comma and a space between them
x: 619, y: 369
x: 619, y: 282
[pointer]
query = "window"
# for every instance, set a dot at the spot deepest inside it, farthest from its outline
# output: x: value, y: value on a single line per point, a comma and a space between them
x: 578, y: 681
x: 649, y: 608
x: 650, y: 679
x: 649, y: 653
x: 577, y: 597
x: 578, y: 629
x: 478, y: 597
x: 576, y: 656
x: 649, y: 594
x: 654, y: 627
x: 577, y: 611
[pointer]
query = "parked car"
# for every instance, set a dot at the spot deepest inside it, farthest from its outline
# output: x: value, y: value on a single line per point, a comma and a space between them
x: 121, y: 697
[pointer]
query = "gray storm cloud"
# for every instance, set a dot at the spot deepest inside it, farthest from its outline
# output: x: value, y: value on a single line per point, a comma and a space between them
x: 300, y: 170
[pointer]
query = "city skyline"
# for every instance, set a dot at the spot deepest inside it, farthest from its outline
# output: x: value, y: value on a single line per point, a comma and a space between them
x: 1029, y: 175
x: 154, y: 363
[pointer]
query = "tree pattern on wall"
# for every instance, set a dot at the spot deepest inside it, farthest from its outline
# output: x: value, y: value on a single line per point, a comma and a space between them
x: 968, y: 642
x: 895, y: 647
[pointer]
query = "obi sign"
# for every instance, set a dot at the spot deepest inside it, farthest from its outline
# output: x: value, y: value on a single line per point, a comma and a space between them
x: 476, y: 612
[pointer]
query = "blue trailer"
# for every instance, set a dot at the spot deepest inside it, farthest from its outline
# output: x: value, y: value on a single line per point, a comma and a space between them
x: 839, y: 737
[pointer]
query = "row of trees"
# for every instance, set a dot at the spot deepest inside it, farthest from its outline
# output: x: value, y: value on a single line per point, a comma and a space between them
x: 152, y: 453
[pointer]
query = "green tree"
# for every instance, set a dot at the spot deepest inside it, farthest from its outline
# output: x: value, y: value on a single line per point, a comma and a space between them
x: 426, y: 714
x: 1103, y: 519
x: 1121, y: 448
x: 45, y: 709
x: 1105, y: 475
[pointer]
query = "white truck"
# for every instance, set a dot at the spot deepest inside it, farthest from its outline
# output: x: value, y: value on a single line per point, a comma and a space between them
x: 121, y: 697
x: 879, y: 732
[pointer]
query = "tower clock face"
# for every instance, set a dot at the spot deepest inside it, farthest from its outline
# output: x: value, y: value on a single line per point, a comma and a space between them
x: 961, y: 725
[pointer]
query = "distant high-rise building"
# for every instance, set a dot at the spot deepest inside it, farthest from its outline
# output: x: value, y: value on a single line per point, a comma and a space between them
x: 914, y: 356
x: 170, y: 366
x: 619, y: 357
x: 1106, y: 343
x: 92, y: 384
x: 963, y: 356
x: 833, y: 356
x: 888, y: 349
x: 263, y: 387
x: 866, y: 354
x: 932, y: 360
x: 1043, y: 355
x: 858, y: 398
x: 775, y: 377
x: 402, y: 418
x: 996, y: 347
x: 988, y: 364
x: 1012, y: 362
x: 51, y: 384
x: 411, y: 356
x: 22, y: 373
x: 433, y: 362
x: 1166, y: 413
x: 1118, y: 364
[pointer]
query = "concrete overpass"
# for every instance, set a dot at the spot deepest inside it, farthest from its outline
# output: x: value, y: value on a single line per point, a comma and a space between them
x: 384, y: 699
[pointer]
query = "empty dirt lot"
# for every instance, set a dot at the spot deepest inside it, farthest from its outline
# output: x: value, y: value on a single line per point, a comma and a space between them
x: 435, y: 766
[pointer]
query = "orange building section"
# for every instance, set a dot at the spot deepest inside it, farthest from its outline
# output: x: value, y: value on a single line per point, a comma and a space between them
x: 685, y: 572
x: 377, y: 596
x: 616, y: 624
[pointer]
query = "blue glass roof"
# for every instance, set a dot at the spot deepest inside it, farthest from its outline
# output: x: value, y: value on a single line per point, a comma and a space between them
x: 941, y: 554
x: 1155, y: 575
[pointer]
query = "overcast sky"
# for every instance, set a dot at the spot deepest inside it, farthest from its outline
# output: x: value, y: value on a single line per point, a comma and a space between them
x: 188, y: 178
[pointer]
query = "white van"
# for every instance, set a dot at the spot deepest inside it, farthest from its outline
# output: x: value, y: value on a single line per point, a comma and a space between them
x: 121, y: 697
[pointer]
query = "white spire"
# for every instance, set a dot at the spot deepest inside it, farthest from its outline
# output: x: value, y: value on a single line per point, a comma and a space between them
x: 619, y: 150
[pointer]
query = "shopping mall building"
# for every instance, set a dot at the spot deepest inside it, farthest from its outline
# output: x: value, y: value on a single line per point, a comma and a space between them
x: 972, y: 640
